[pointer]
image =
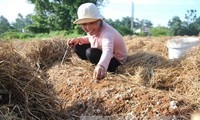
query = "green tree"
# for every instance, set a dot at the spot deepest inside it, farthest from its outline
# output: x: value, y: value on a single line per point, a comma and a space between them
x: 189, y: 27
x: 4, y: 25
x: 190, y: 16
x: 136, y: 24
x: 51, y: 15
x: 21, y: 22
x: 193, y: 29
x: 197, y: 26
x: 191, y: 22
x: 176, y: 26
x: 126, y: 21
x: 122, y: 26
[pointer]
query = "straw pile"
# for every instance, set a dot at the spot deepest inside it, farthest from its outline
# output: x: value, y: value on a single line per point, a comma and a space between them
x: 24, y: 94
x: 148, y: 66
x: 152, y: 67
x: 144, y: 56
x: 148, y: 86
x: 44, y: 53
x: 183, y: 76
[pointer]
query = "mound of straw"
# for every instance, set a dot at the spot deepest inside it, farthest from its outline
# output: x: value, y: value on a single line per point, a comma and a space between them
x: 148, y: 65
x: 145, y: 54
x: 183, y: 76
x: 44, y: 53
x: 23, y: 79
x: 29, y: 97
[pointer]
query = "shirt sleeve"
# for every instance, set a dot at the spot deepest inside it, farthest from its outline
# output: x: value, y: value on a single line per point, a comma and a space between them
x: 83, y: 40
x: 107, y: 50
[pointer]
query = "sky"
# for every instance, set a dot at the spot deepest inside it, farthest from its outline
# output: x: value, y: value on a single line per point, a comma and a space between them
x: 159, y: 12
x: 10, y: 8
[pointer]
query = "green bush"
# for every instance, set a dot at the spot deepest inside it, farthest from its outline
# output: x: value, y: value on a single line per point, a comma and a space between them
x: 26, y: 35
x: 160, y: 31
x: 16, y: 35
x: 10, y: 35
x: 58, y: 34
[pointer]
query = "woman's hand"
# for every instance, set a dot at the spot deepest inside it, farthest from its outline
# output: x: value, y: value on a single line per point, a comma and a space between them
x: 73, y: 41
x: 99, y: 72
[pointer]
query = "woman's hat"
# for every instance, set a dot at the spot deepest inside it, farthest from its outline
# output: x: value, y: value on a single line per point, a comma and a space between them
x: 88, y: 12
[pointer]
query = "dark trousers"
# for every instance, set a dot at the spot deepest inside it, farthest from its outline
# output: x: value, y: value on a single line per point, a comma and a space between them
x: 85, y: 52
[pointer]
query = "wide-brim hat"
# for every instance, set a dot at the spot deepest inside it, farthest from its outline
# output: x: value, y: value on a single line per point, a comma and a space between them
x: 88, y: 12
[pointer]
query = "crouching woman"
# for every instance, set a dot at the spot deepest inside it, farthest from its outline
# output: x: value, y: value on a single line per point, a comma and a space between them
x: 103, y: 45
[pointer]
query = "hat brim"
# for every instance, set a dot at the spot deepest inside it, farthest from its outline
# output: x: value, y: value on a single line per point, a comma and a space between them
x: 85, y: 20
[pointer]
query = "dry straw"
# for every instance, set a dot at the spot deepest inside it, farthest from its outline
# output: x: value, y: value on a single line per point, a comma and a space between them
x: 44, y: 53
x: 148, y: 65
x: 28, y: 68
x: 26, y: 94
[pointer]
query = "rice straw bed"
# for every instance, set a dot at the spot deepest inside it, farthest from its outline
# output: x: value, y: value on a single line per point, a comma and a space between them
x: 25, y: 94
x: 148, y: 86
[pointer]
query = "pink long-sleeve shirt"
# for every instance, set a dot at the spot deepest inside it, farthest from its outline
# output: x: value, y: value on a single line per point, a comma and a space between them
x: 110, y: 42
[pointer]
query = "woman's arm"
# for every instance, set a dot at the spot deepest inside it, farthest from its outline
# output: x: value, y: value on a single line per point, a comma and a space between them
x: 78, y: 40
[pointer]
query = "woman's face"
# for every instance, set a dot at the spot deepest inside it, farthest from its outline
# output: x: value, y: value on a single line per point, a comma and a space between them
x: 92, y: 28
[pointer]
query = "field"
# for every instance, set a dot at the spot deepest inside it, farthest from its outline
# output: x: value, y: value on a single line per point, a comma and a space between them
x: 38, y: 83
